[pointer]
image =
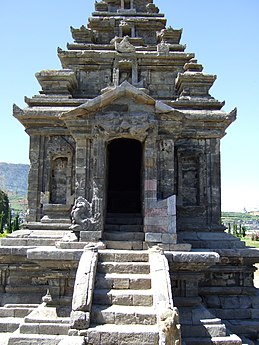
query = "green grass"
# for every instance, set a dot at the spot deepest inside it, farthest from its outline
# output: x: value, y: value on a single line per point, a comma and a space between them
x: 250, y: 243
x: 18, y: 203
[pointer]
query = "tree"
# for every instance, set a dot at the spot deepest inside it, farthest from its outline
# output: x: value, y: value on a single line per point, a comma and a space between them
x: 16, y: 223
x: 4, y: 209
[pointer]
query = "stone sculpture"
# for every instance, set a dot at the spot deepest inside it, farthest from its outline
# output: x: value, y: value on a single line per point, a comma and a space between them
x: 170, y: 328
x: 82, y: 216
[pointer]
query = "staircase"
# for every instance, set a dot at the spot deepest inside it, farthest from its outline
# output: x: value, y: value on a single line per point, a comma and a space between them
x: 124, y: 231
x: 122, y: 311
x: 200, y: 327
x: 43, y: 325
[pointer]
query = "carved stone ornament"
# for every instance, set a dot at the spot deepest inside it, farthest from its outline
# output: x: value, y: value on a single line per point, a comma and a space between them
x: 170, y: 329
x: 83, y: 217
x: 152, y: 8
x: 137, y: 127
x: 163, y: 49
x: 125, y: 46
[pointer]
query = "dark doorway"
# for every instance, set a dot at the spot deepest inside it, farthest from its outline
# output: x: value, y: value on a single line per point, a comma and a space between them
x: 124, y: 176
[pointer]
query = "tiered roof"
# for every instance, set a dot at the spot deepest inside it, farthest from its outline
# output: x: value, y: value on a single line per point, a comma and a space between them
x: 124, y: 40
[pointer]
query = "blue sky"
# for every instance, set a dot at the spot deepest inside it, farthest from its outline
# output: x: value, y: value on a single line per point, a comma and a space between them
x: 223, y: 35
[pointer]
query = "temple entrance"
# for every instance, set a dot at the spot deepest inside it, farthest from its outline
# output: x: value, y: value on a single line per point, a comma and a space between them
x: 124, y: 176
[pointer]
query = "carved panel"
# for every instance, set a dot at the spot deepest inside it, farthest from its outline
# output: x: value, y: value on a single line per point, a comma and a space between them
x: 59, y: 169
x: 190, y: 180
x: 137, y: 127
x: 58, y: 184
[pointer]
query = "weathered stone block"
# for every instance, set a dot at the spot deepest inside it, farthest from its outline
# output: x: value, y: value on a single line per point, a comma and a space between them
x: 90, y: 236
x: 159, y: 221
x: 150, y: 185
x: 153, y: 237
x: 84, y: 283
x: 169, y: 238
x: 79, y: 320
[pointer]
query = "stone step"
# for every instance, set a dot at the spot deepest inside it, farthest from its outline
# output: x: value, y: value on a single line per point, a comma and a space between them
x: 123, y: 255
x: 209, y: 240
x: 123, y: 315
x: 49, y: 226
x: 213, y: 330
x: 25, y: 289
x: 123, y: 267
x: 247, y: 328
x: 35, y: 339
x: 28, y: 242
x: 10, y: 324
x: 15, y: 311
x: 127, y: 245
x: 231, y: 314
x: 5, y: 338
x: 20, y: 305
x: 123, y: 334
x: 123, y: 297
x: 228, y: 340
x: 69, y: 340
x: 123, y: 236
x: 44, y: 328
x: 124, y: 218
x: 123, y: 281
x: 123, y: 227
x: 47, y: 315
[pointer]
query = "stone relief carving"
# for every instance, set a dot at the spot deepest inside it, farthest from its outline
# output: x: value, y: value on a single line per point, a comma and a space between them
x: 84, y: 214
x: 163, y: 49
x: 60, y: 145
x: 152, y: 8
x: 125, y: 46
x: 166, y: 146
x: 127, y: 126
x: 170, y: 329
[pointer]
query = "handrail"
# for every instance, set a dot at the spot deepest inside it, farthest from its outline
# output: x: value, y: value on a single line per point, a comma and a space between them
x: 167, y: 314
x: 83, y: 290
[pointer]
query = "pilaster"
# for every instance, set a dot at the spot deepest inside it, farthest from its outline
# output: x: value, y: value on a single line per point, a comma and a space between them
x: 36, y: 156
x: 83, y: 168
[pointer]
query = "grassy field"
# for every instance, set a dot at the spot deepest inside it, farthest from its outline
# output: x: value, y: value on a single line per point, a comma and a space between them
x: 235, y: 217
x: 250, y: 243
x: 18, y: 203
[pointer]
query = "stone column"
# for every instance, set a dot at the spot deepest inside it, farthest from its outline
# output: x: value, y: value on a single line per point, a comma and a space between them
x: 135, y: 73
x: 214, y: 187
x: 83, y: 168
x: 159, y: 215
x: 166, y: 168
x: 133, y: 31
x: 90, y: 157
x: 36, y: 156
x: 99, y: 174
x: 150, y: 174
x: 116, y: 76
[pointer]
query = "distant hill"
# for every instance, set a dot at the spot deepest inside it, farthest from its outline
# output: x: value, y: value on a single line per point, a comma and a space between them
x: 14, y: 178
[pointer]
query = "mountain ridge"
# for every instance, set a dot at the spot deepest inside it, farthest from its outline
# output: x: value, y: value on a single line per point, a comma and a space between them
x: 14, y: 178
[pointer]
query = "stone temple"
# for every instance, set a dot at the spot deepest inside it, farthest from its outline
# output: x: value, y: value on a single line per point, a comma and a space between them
x: 123, y: 242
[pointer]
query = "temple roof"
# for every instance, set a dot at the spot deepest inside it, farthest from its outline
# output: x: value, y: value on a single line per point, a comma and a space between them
x: 124, y: 90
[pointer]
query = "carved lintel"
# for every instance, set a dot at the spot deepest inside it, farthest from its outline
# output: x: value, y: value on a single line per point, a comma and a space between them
x: 137, y: 127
